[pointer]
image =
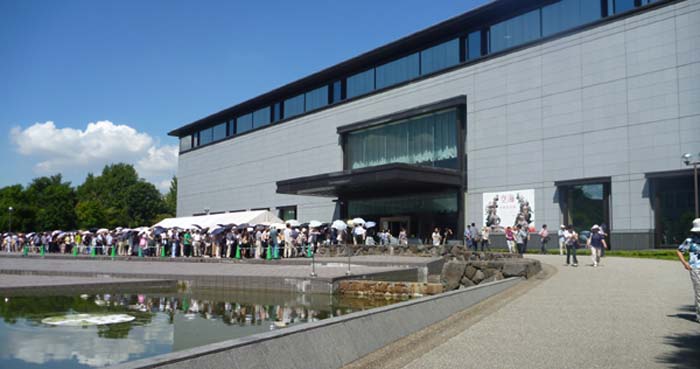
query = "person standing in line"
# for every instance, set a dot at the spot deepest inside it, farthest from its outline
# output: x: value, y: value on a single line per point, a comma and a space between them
x: 288, y: 241
x: 596, y: 242
x: 274, y: 240
x: 403, y: 237
x: 544, y: 238
x: 520, y: 236
x: 571, y: 243
x: 510, y: 239
x: 187, y: 244
x: 562, y: 239
x: 692, y: 246
x: 467, y: 237
x: 485, y: 234
x: 437, y: 239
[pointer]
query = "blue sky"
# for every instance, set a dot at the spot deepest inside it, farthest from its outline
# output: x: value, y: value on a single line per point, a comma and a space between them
x: 138, y: 69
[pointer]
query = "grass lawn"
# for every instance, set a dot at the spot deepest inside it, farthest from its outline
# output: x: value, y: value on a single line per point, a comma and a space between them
x: 661, y: 254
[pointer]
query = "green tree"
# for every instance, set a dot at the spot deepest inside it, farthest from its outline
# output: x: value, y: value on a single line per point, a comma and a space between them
x: 118, y: 197
x: 171, y: 198
x: 23, y: 213
x: 54, y: 203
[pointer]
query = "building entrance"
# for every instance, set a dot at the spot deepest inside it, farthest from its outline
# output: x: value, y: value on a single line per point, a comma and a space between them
x: 395, y: 224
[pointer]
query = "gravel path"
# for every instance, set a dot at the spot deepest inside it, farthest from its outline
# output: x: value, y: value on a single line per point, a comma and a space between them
x: 629, y: 313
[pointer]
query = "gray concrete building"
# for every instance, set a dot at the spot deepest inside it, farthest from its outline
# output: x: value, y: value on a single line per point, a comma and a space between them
x: 571, y: 111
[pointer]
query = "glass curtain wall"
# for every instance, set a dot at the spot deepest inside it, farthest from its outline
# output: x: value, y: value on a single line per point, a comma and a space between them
x: 185, y: 143
x: 317, y: 98
x: 398, y: 71
x: 567, y: 14
x: 360, y: 84
x: 219, y: 132
x: 244, y: 123
x: 294, y: 106
x: 429, y: 140
x: 439, y: 57
x: 515, y: 31
x: 261, y: 117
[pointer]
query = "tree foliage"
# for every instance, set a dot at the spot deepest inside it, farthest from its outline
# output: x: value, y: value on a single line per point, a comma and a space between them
x: 115, y: 197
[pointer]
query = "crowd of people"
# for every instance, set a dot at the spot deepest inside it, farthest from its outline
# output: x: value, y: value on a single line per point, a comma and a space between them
x: 268, y: 241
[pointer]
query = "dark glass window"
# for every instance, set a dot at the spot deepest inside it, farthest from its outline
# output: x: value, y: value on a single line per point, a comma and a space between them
x: 287, y: 213
x: 244, y: 123
x: 515, y: 31
x: 441, y: 202
x: 219, y: 132
x: 360, y: 83
x: 185, y: 143
x: 586, y: 205
x: 567, y: 14
x: 261, y: 117
x: 474, y: 45
x: 429, y: 139
x: 337, y: 91
x: 440, y: 57
x: 294, y: 106
x: 205, y: 136
x: 623, y: 5
x: 276, y: 112
x: 317, y: 98
x: 398, y: 71
x: 231, y: 127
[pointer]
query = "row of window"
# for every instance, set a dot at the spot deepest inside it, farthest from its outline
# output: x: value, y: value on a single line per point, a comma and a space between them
x: 541, y: 22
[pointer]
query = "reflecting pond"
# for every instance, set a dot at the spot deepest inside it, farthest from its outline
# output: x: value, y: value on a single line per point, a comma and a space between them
x: 164, y: 322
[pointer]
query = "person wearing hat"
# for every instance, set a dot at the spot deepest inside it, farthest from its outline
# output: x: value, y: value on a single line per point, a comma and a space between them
x: 596, y: 242
x: 692, y: 246
x: 562, y: 239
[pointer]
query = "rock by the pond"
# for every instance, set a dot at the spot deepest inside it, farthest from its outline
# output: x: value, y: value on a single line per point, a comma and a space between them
x: 497, y: 276
x: 470, y: 271
x: 452, y: 273
x: 478, y: 277
x: 466, y: 282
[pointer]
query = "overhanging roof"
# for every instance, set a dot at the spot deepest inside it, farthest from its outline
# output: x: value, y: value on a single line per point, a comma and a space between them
x: 669, y: 173
x: 392, y: 178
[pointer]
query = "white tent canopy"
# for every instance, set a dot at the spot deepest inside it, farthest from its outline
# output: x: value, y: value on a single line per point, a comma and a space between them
x: 212, y: 221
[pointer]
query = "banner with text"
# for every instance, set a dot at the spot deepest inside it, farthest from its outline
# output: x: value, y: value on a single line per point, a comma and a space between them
x: 507, y: 208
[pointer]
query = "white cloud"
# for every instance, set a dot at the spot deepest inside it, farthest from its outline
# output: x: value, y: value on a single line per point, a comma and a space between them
x: 71, y: 150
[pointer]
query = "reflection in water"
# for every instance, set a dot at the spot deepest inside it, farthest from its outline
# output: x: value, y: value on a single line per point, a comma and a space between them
x: 164, y: 323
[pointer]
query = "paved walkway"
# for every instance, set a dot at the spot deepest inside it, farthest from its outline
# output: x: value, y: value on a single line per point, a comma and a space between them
x: 629, y: 313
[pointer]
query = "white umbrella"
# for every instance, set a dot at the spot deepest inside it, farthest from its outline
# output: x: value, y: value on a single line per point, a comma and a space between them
x: 103, y: 230
x: 358, y: 221
x: 339, y: 225
x: 55, y: 233
x: 293, y: 222
x: 315, y: 224
x: 369, y: 225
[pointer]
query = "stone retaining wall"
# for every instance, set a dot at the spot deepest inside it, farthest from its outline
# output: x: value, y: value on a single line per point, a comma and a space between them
x: 389, y: 290
x: 462, y: 274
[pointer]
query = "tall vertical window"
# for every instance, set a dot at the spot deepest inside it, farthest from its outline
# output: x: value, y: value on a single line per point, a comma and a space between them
x: 360, y: 83
x: 276, y: 112
x: 244, y: 123
x: 474, y: 45
x: 515, y: 31
x: 567, y: 14
x: 261, y: 117
x: 440, y: 57
x: 294, y: 106
x: 287, y: 213
x: 185, y: 143
x: 430, y: 139
x: 337, y: 91
x: 219, y: 132
x: 398, y: 71
x: 317, y: 98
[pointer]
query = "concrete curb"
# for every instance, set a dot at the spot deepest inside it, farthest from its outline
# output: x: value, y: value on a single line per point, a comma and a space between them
x: 330, y: 343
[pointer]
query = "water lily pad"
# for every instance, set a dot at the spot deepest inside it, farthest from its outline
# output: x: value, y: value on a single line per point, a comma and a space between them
x: 81, y: 320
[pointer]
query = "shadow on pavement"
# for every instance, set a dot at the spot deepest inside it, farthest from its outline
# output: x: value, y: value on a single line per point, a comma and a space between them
x: 687, y: 346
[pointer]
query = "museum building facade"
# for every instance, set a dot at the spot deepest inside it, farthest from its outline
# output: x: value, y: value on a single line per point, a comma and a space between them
x: 577, y: 111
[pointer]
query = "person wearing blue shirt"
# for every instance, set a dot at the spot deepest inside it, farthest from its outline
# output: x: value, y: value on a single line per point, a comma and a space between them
x: 692, y: 246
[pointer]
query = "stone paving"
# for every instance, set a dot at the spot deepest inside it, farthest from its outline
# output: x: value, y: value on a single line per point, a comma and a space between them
x: 629, y: 313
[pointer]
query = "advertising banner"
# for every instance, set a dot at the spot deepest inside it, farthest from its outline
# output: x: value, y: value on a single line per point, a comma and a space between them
x: 507, y: 208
